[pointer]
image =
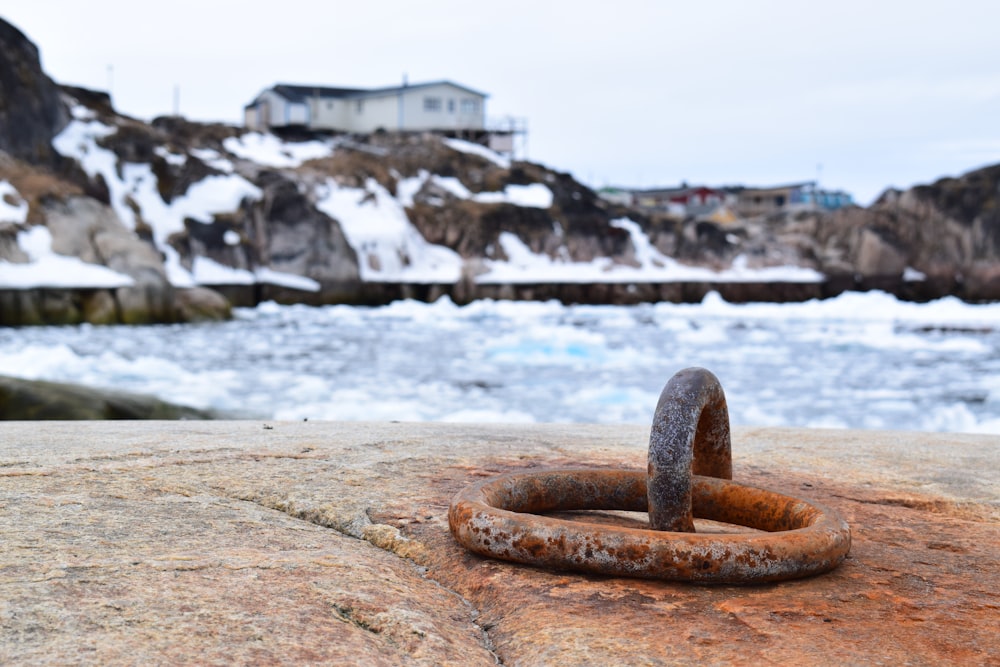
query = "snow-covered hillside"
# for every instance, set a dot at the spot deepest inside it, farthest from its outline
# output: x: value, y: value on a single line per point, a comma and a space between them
x: 372, y: 215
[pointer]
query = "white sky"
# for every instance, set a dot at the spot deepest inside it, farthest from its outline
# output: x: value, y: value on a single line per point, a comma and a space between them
x: 863, y: 93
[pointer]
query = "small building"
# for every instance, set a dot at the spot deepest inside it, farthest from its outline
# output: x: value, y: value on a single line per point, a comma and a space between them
x: 686, y: 200
x: 437, y: 106
x: 791, y: 197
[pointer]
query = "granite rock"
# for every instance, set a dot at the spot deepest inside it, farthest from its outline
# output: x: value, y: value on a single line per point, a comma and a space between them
x: 289, y: 543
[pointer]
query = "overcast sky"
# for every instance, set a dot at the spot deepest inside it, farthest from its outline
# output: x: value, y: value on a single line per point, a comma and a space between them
x: 863, y: 94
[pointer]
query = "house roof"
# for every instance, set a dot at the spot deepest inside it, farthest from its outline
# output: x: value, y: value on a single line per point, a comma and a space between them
x: 297, y: 93
x: 300, y: 93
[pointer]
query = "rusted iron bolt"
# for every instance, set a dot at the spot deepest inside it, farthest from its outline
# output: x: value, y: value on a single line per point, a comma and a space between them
x: 688, y: 475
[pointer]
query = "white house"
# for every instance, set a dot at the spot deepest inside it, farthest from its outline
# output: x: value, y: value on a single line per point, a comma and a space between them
x: 438, y: 105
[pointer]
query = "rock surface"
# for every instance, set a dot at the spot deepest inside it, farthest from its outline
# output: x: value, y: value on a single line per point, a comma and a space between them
x: 38, y: 400
x: 292, y: 543
x: 31, y: 112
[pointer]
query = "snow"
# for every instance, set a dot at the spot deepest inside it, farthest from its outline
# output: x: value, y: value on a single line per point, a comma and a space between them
x: 174, y: 159
x: 269, y: 150
x: 209, y: 272
x: 534, y: 195
x: 217, y: 193
x: 12, y: 212
x: 135, y: 183
x: 213, y: 159
x: 47, y: 269
x: 407, y: 188
x: 389, y: 247
x: 525, y: 266
x: 477, y: 149
x: 177, y: 275
x: 269, y: 276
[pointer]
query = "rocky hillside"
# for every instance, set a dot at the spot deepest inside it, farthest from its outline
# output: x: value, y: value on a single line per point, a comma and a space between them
x: 104, y: 218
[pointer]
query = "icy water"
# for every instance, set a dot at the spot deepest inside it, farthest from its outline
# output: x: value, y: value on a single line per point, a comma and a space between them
x: 858, y: 361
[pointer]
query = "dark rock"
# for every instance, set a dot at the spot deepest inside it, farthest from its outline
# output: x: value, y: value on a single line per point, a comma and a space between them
x: 31, y: 109
x: 287, y: 233
x: 36, y: 400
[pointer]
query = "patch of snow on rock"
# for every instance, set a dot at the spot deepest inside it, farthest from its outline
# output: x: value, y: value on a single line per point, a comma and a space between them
x: 477, y: 149
x: 269, y: 276
x: 389, y: 247
x: 16, y: 212
x: 47, y: 269
x: 269, y: 150
x: 209, y: 272
x: 213, y: 159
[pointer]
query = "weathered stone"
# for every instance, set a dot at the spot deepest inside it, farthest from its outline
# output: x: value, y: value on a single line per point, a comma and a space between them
x: 31, y: 111
x: 250, y: 542
x: 200, y: 304
x: 39, y: 400
x: 876, y: 256
x: 99, y: 307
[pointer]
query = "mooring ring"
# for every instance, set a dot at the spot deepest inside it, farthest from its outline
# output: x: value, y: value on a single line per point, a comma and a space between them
x: 688, y: 474
x: 498, y: 517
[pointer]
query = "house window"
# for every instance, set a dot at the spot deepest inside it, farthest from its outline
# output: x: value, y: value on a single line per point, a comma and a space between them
x: 360, y: 105
x: 451, y: 106
x: 470, y: 106
x: 432, y: 104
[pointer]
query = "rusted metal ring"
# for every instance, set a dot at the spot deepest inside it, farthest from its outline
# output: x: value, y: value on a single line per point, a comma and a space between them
x: 688, y: 475
x: 499, y: 518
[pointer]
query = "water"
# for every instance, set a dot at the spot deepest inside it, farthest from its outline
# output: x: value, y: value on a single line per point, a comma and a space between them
x: 857, y: 361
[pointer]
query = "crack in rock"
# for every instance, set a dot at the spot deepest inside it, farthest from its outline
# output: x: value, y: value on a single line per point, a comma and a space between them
x: 358, y: 525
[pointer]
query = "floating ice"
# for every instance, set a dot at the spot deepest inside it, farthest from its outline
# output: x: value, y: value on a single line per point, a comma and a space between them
x: 825, y: 364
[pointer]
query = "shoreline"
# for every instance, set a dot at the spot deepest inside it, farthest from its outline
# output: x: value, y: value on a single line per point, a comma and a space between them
x: 58, y: 306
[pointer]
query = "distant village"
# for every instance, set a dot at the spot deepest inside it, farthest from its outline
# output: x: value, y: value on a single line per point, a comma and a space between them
x: 454, y: 110
x: 728, y: 203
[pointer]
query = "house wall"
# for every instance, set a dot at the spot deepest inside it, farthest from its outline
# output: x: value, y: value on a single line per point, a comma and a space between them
x: 765, y: 201
x: 368, y: 114
x: 250, y: 119
x: 329, y: 114
x: 450, y: 114
x: 438, y: 107
x: 271, y: 110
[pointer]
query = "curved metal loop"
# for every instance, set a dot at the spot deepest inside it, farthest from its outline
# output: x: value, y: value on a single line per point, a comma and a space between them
x: 500, y: 518
x: 688, y: 472
x: 690, y: 435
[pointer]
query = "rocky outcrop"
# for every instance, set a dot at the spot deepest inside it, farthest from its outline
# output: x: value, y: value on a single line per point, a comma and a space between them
x: 183, y: 207
x: 31, y: 111
x: 947, y: 234
x: 36, y: 400
x: 82, y: 227
x: 576, y: 227
x: 285, y: 230
x: 328, y: 543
